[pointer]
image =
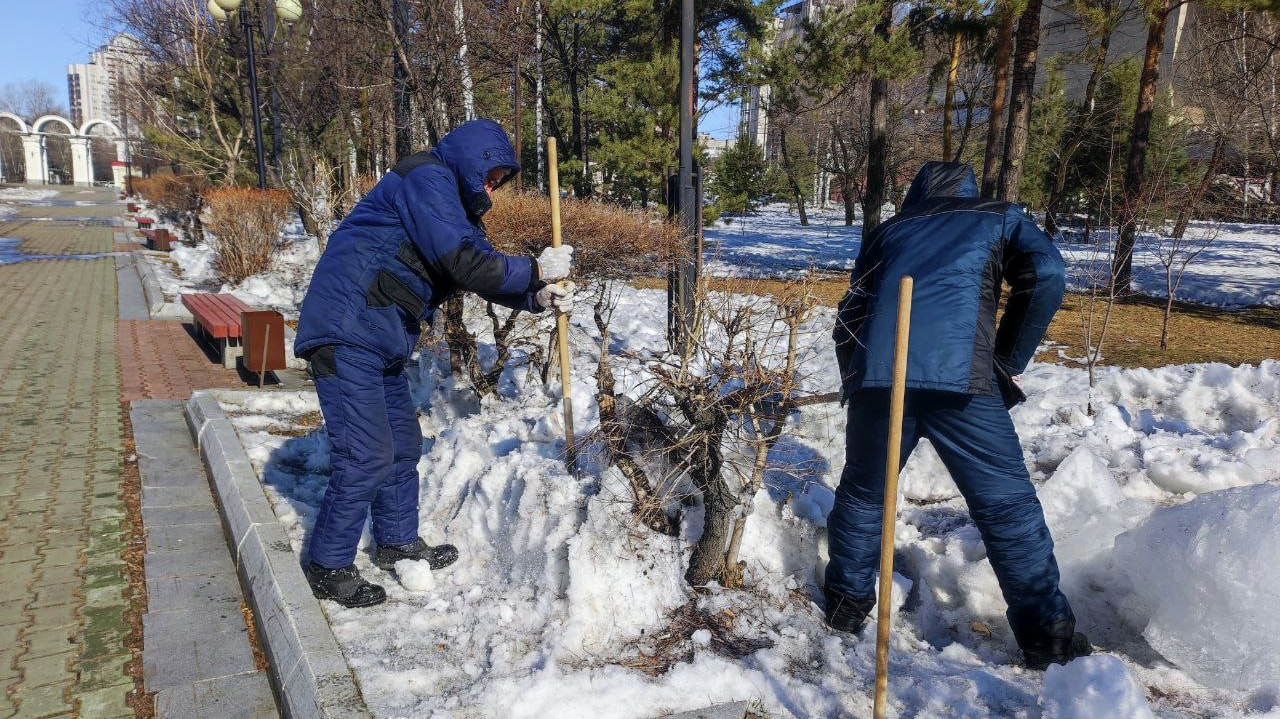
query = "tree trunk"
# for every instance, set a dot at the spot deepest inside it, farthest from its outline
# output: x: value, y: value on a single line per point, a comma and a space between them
x: 877, y: 155
x: 878, y: 134
x: 718, y: 502
x: 1139, y: 139
x: 999, y: 86
x: 948, y: 105
x: 792, y: 181
x: 1197, y: 194
x: 1024, y: 78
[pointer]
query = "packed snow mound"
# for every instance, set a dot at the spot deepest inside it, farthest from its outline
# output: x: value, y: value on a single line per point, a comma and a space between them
x: 1204, y: 585
x: 1092, y: 687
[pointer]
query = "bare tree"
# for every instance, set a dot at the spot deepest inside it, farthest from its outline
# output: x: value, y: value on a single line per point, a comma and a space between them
x: 30, y: 99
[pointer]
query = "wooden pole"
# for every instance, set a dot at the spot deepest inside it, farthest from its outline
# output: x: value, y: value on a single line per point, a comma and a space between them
x: 897, y: 398
x: 562, y: 320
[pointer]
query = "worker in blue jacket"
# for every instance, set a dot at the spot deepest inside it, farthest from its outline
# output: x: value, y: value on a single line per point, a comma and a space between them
x: 962, y: 370
x: 413, y: 242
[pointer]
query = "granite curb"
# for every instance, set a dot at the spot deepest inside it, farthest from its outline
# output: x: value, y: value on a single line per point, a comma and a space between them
x: 154, y: 293
x: 310, y: 674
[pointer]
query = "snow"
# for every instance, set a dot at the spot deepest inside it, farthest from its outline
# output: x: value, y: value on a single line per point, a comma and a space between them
x: 1238, y: 267
x: 1200, y: 571
x: 1092, y: 687
x: 9, y: 195
x: 1163, y: 502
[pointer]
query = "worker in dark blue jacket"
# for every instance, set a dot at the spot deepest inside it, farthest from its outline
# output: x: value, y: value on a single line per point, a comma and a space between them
x: 413, y: 242
x: 962, y: 370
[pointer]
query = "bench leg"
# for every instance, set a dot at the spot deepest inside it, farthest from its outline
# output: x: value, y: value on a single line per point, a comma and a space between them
x: 231, y: 351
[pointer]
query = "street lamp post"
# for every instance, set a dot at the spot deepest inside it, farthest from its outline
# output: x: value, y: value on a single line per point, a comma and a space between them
x: 288, y: 11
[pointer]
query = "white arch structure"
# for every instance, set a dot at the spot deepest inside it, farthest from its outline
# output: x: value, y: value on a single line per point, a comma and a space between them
x: 36, y: 153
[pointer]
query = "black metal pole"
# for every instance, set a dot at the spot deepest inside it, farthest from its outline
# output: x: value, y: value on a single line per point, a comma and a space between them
x: 686, y: 275
x: 253, y: 96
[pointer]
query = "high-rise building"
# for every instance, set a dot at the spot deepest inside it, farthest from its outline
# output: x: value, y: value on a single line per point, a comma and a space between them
x: 93, y: 88
x: 787, y: 25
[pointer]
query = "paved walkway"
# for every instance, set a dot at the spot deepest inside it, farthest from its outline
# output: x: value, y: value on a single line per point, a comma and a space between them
x: 64, y: 588
x: 74, y: 353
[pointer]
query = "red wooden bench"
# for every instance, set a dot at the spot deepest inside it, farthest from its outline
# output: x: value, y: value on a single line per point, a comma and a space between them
x: 133, y: 207
x: 158, y: 239
x: 217, y: 317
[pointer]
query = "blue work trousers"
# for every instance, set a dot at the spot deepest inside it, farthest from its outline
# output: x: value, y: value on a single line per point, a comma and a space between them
x: 373, y: 427
x: 976, y: 440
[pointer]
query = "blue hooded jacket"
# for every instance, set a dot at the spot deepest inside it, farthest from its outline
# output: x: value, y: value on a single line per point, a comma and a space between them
x: 410, y: 244
x: 957, y: 248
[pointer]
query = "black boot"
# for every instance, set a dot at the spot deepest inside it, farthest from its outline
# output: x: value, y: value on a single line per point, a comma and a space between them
x: 437, y: 557
x: 847, y: 613
x: 1054, y: 642
x: 344, y: 586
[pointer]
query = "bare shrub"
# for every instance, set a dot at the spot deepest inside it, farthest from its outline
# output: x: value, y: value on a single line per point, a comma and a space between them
x: 179, y: 199
x: 704, y: 424
x: 610, y: 244
x: 246, y: 224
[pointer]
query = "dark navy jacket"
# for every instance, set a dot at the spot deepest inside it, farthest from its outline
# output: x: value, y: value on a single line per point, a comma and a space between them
x: 957, y: 248
x: 410, y: 244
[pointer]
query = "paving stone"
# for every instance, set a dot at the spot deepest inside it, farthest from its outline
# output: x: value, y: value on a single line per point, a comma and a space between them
x: 55, y: 616
x: 59, y: 555
x: 181, y: 647
x: 107, y: 702
x: 160, y: 566
x: 186, y: 538
x: 178, y: 516
x: 44, y: 701
x: 243, y: 696
x: 104, y: 671
x: 48, y: 595
x: 43, y: 642
x: 51, y: 669
x: 216, y: 589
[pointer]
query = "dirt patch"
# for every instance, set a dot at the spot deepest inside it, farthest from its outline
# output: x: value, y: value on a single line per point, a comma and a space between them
x: 141, y: 701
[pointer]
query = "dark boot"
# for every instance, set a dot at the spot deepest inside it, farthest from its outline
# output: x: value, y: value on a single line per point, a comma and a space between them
x: 847, y: 613
x: 344, y: 586
x: 1054, y: 642
x: 437, y: 557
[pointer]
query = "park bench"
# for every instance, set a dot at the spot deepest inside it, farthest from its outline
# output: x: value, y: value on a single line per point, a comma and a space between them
x: 158, y: 239
x: 238, y: 332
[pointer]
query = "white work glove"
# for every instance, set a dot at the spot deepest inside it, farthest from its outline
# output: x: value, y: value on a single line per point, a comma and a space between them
x: 554, y: 262
x: 558, y: 296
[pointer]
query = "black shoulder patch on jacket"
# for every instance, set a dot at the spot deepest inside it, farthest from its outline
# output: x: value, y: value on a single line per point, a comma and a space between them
x: 414, y: 161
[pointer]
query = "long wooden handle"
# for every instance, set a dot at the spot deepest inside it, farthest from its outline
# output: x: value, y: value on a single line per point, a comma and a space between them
x: 897, y: 397
x: 562, y: 320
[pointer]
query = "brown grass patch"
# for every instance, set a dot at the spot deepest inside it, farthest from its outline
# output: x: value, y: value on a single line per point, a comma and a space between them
x: 1196, y: 333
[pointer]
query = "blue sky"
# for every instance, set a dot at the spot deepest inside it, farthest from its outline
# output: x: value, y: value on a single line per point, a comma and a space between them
x: 38, y: 38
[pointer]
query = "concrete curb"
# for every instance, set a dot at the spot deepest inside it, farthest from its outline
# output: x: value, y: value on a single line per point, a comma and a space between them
x: 311, y: 677
x: 151, y: 289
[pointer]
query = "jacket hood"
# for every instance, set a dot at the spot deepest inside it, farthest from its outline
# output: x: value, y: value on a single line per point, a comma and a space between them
x: 472, y: 150
x: 941, y: 179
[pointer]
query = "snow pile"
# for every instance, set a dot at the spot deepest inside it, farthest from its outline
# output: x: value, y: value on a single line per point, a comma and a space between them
x: 1205, y: 579
x: 415, y: 575
x: 561, y: 605
x: 1092, y: 687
